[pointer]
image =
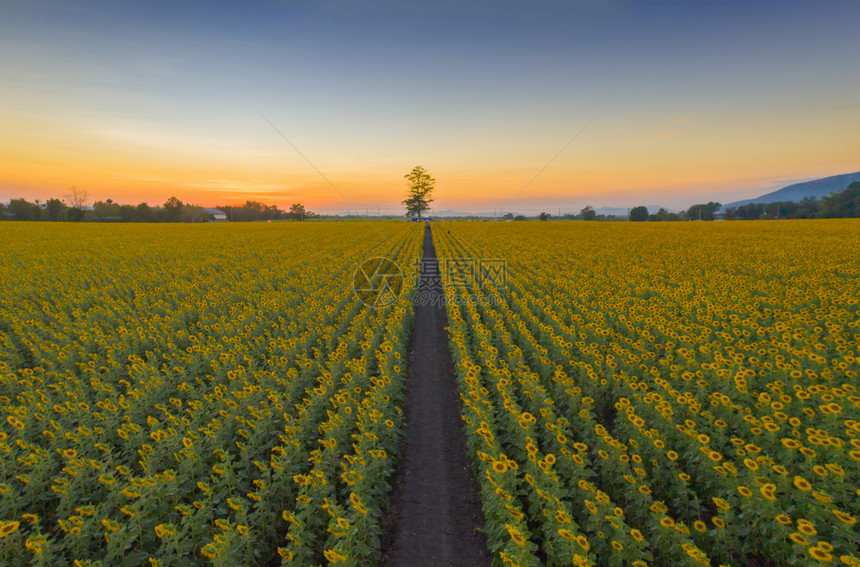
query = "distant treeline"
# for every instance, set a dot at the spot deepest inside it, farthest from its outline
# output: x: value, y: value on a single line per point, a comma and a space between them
x: 842, y: 204
x: 839, y: 204
x: 173, y: 210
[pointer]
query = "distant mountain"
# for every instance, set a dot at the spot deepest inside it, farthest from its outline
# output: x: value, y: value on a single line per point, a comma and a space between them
x: 818, y: 188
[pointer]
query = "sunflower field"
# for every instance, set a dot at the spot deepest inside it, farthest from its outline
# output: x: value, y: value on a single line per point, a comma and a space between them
x: 672, y: 394
x: 197, y: 394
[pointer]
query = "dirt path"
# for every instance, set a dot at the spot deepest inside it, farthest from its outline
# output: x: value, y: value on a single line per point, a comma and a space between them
x: 437, y: 518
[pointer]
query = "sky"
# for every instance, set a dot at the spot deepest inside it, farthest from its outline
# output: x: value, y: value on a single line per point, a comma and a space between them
x: 515, y: 106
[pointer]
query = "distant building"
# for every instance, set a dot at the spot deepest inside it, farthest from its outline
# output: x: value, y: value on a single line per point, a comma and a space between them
x: 216, y: 214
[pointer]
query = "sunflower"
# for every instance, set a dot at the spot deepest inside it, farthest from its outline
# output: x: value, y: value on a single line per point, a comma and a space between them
x: 7, y: 528
x: 515, y: 534
x: 845, y: 518
x: 667, y: 522
x: 333, y: 556
x: 835, y: 469
x: 820, y: 554
x: 583, y: 542
x: 209, y: 551
x: 806, y: 528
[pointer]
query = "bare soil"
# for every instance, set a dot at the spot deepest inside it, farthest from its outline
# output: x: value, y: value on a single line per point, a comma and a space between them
x: 436, y: 516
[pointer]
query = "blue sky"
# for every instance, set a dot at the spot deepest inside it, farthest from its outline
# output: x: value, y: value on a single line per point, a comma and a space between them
x: 697, y: 99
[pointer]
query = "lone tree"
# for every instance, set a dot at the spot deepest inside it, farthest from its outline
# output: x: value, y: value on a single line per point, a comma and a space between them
x: 420, y: 187
x: 639, y: 214
x: 588, y: 213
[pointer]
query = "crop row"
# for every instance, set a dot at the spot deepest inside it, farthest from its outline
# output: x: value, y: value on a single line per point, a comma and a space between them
x: 197, y: 395
x: 661, y: 395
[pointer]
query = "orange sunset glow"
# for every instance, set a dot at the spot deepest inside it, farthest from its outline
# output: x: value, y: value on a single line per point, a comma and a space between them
x: 216, y: 113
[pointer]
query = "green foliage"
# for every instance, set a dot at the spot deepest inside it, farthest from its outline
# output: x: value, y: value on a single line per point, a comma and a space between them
x: 172, y: 209
x: 75, y: 214
x: 144, y: 212
x: 256, y: 211
x: 805, y: 209
x: 588, y: 213
x: 195, y: 415
x: 842, y: 204
x: 24, y: 210
x: 544, y: 216
x: 635, y: 424
x: 703, y: 212
x: 297, y: 212
x: 420, y: 187
x: 106, y: 210
x: 53, y: 208
x: 664, y: 215
x: 638, y: 214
